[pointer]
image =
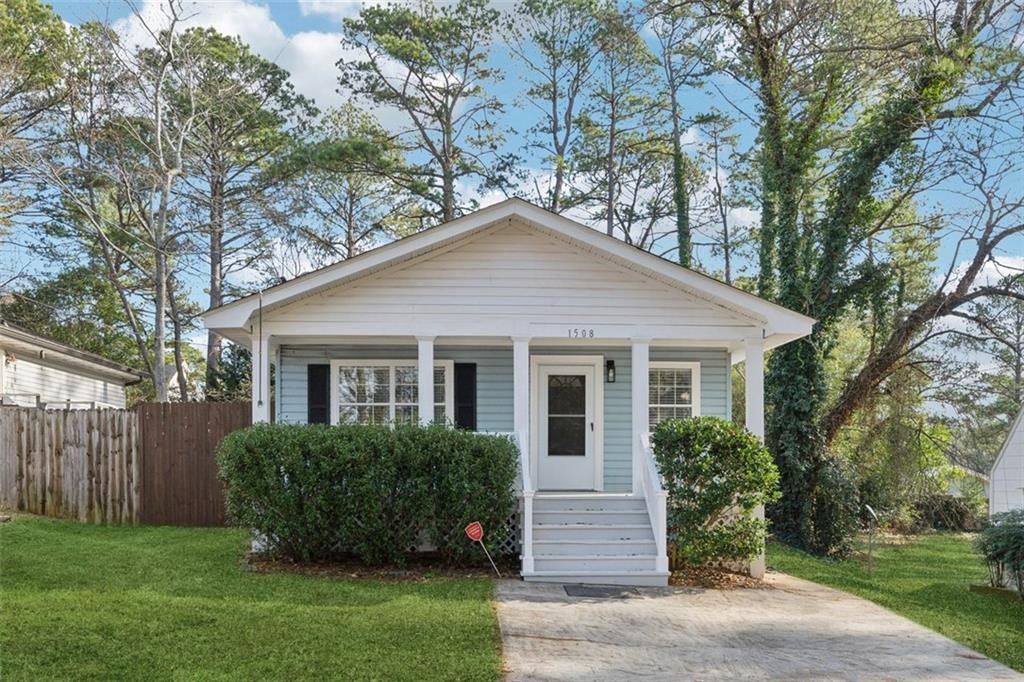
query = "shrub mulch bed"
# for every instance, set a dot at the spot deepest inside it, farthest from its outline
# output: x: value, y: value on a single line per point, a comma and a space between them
x: 419, y: 569
x: 423, y: 569
x: 715, y: 579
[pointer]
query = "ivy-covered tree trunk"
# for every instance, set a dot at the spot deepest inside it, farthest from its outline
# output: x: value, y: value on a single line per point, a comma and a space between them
x: 682, y: 203
x: 806, y: 265
x: 679, y: 194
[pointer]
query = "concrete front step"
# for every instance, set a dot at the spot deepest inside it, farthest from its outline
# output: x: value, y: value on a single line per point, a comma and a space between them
x: 593, y: 547
x: 571, y: 563
x: 630, y: 578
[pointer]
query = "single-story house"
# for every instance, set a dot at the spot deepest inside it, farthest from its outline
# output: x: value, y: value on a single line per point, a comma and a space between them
x: 513, y: 319
x: 38, y: 371
x: 1006, y: 480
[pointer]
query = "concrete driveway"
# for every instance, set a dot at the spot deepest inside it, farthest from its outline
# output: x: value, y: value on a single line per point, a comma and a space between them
x: 798, y: 630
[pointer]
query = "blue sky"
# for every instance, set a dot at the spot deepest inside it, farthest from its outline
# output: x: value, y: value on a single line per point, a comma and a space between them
x: 304, y: 37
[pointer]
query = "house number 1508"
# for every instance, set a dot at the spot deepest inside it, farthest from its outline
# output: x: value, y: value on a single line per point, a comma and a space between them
x: 581, y: 333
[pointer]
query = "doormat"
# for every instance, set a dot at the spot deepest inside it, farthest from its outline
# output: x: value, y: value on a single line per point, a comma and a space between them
x: 601, y: 591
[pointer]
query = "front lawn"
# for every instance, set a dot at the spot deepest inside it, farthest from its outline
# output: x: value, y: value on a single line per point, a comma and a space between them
x: 158, y: 603
x: 926, y: 581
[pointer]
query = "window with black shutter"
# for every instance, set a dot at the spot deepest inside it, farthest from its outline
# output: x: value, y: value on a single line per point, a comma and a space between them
x: 318, y: 392
x: 465, y: 395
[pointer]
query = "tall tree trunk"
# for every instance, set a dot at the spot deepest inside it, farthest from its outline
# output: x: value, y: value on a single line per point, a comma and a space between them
x: 680, y: 197
x: 723, y: 214
x: 160, y: 307
x: 448, y: 193
x: 682, y: 203
x: 556, y: 192
x: 214, y: 342
x: 609, y: 200
x: 179, y: 360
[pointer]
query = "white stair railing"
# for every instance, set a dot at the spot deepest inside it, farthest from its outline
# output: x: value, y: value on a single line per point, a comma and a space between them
x: 657, y: 501
x: 526, y: 486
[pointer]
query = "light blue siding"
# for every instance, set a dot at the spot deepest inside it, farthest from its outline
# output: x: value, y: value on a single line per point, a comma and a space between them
x: 494, y: 387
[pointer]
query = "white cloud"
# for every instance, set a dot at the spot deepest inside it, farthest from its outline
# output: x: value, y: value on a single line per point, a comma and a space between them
x: 744, y: 217
x: 689, y: 136
x: 309, y: 56
x: 991, y: 273
x: 336, y: 9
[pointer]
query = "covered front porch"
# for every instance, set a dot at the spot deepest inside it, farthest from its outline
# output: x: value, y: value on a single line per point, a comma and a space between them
x: 579, y: 407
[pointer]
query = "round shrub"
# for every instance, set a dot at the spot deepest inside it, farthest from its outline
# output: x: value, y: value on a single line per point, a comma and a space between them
x: 716, y: 474
x: 1002, y: 544
x: 318, y: 492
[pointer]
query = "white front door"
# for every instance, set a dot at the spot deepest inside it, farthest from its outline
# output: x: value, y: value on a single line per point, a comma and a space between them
x: 566, y: 415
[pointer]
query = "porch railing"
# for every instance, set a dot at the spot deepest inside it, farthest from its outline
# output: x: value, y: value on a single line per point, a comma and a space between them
x: 657, y: 501
x: 526, y: 486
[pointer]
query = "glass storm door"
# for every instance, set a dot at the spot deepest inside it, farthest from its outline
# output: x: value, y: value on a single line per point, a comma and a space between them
x: 566, y: 415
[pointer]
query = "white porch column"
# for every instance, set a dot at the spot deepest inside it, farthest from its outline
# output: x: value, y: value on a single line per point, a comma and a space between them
x: 260, y: 376
x: 521, y: 425
x: 641, y: 362
x: 425, y: 378
x: 521, y: 385
x: 755, y: 417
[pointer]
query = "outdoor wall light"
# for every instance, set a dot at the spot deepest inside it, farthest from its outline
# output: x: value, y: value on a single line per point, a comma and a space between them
x: 609, y: 371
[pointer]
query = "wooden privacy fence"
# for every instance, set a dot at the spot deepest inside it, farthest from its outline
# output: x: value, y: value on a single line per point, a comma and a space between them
x: 153, y: 464
x: 179, y: 471
x: 80, y: 464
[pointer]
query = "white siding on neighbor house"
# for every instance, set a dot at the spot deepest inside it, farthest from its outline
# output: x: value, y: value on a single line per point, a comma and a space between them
x: 26, y: 377
x: 494, y: 387
x: 1006, y: 482
x: 513, y: 273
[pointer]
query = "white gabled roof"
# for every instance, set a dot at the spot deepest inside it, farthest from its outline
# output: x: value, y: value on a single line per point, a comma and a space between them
x: 782, y: 324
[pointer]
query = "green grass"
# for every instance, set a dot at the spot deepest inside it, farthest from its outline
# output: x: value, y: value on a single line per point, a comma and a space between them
x: 926, y: 581
x: 157, y: 603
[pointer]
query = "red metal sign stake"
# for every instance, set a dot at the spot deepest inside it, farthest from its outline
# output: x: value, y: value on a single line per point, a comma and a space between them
x: 475, y: 532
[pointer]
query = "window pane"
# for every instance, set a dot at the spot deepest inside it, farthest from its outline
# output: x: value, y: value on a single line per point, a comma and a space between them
x: 373, y: 414
x: 567, y: 436
x: 670, y: 387
x: 406, y: 414
x: 656, y: 414
x: 439, y: 385
x: 406, y: 375
x: 365, y: 394
x: 567, y: 394
x: 347, y: 414
x: 406, y: 385
x: 364, y: 384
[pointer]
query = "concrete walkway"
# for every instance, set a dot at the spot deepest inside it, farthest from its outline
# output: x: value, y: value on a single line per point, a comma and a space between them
x: 798, y: 630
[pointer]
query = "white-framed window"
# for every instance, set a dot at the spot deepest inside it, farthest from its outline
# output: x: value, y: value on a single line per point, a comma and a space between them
x: 673, y: 391
x: 387, y: 391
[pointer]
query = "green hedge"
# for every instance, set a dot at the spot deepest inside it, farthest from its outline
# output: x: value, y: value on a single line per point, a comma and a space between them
x: 716, y: 474
x: 318, y: 492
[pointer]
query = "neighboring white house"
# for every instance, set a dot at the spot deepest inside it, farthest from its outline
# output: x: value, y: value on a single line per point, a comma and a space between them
x: 35, y: 370
x: 1006, y: 480
x: 514, y: 319
x: 964, y: 482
